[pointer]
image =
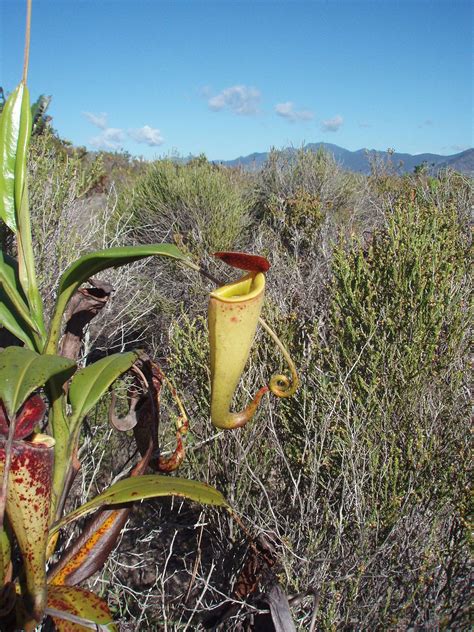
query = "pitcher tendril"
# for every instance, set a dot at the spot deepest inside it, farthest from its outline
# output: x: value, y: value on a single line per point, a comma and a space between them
x: 281, y: 385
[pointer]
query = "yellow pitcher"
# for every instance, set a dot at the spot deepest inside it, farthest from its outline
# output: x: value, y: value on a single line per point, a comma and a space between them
x: 234, y: 312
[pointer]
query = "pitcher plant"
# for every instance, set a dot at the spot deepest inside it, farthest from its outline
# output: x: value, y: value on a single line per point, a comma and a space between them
x: 45, y: 397
x: 233, y: 314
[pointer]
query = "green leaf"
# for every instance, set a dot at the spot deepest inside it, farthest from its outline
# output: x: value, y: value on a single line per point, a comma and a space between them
x: 14, y: 313
x: 21, y: 152
x: 148, y: 486
x: 95, y: 262
x: 22, y: 371
x: 77, y: 609
x: 90, y: 383
x: 14, y: 323
x: 88, y: 265
x: 15, y: 124
x: 15, y: 132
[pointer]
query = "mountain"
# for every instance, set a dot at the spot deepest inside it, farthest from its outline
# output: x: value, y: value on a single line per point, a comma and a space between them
x: 462, y: 162
x: 359, y: 161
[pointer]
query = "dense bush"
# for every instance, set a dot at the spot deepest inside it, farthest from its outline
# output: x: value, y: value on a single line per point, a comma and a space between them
x: 391, y: 417
x: 203, y: 206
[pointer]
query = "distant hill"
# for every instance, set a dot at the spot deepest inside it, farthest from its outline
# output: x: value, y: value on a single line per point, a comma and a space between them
x: 359, y: 161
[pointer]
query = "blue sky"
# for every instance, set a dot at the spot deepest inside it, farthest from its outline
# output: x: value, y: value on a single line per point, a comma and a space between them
x: 230, y: 77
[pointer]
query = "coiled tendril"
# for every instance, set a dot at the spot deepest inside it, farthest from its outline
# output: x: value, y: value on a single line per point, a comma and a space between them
x: 281, y: 385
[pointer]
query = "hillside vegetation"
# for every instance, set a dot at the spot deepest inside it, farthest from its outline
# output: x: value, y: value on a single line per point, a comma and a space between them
x: 359, y: 485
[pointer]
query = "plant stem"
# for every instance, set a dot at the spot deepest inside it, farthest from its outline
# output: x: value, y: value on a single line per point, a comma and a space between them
x: 26, y: 60
x: 193, y: 266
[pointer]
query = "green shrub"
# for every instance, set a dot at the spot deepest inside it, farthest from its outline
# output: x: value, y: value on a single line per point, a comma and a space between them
x: 204, y: 206
x: 392, y: 406
x: 297, y: 191
x: 397, y: 302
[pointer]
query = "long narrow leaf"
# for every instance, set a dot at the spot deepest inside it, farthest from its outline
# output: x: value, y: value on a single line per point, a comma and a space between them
x: 26, y: 263
x: 24, y: 134
x: 93, y: 263
x: 148, y: 486
x: 13, y: 323
x: 15, y: 132
x: 22, y: 371
x: 96, y: 545
x: 10, y: 123
x: 14, y: 313
x: 90, y: 384
x: 15, y: 297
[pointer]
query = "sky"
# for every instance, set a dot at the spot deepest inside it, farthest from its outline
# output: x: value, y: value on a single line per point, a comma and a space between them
x: 231, y: 77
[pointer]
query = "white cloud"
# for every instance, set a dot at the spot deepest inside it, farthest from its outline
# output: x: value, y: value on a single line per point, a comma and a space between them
x: 333, y: 124
x: 287, y: 111
x: 148, y: 135
x: 238, y: 99
x: 111, y: 138
x: 99, y: 120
